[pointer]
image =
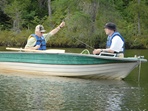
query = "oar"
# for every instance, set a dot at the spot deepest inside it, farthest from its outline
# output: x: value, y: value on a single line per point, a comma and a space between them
x: 21, y: 49
x: 42, y: 51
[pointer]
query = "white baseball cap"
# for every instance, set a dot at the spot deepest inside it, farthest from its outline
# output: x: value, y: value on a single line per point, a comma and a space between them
x: 40, y: 28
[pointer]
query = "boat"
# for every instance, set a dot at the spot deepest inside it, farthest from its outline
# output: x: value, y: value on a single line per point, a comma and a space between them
x: 59, y: 63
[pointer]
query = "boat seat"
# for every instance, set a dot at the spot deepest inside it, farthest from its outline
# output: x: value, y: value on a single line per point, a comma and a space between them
x: 108, y: 54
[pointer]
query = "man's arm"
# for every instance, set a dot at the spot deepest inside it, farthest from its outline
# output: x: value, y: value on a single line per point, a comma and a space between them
x: 53, y: 32
x: 115, y: 46
x: 97, y: 51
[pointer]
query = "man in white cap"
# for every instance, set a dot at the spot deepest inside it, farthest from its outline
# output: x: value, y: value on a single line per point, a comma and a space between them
x: 38, y: 40
x: 115, y: 42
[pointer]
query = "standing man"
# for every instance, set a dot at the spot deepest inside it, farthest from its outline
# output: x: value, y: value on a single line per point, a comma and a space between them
x: 38, y: 40
x: 115, y: 42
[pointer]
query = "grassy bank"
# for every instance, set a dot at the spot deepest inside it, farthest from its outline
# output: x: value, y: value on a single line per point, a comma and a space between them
x: 9, y: 38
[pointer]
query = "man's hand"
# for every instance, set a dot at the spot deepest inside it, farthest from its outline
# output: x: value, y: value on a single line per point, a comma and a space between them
x: 37, y: 47
x: 97, y: 51
x: 62, y: 24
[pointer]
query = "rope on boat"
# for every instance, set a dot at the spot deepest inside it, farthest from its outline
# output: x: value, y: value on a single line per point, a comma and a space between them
x: 85, y: 51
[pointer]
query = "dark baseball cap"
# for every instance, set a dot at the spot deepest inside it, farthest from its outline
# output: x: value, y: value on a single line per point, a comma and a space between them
x: 110, y: 26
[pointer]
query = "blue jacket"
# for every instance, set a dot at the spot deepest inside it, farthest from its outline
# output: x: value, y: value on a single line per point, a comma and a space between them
x: 40, y: 41
x: 109, y: 40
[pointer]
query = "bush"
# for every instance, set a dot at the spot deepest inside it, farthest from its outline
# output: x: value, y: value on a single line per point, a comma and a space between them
x: 137, y: 42
x: 10, y: 38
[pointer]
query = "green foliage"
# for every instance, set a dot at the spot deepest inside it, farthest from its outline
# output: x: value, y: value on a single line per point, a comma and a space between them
x: 84, y: 21
x: 9, y: 38
x: 137, y: 42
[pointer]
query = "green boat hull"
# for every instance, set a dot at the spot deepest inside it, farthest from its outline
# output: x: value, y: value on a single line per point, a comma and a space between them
x: 55, y: 58
x: 68, y: 64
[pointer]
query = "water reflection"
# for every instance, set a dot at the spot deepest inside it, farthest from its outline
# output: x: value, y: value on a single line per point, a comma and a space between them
x: 68, y: 94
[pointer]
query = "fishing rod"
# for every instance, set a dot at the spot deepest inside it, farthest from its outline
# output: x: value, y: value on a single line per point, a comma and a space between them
x: 84, y: 43
x: 80, y: 40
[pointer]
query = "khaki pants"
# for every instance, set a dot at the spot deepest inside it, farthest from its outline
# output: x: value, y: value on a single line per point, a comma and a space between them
x: 121, y: 55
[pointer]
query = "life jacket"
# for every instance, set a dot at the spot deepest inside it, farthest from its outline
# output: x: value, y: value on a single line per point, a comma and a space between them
x: 109, y: 40
x: 40, y: 41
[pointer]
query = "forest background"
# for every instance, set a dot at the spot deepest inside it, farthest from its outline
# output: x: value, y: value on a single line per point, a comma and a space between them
x: 85, y: 20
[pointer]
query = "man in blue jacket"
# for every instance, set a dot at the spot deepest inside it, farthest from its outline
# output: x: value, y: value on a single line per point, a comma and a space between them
x: 38, y: 40
x: 115, y: 42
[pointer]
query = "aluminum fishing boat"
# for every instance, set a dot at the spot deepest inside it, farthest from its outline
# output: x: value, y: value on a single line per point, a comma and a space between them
x: 104, y: 66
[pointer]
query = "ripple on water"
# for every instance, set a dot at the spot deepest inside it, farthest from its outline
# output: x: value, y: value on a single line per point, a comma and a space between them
x: 69, y: 94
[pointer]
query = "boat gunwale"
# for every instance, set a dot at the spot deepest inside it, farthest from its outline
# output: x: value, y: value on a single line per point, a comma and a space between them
x: 130, y: 59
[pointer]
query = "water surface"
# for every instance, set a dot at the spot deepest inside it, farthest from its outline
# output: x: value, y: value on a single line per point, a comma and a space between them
x: 19, y: 92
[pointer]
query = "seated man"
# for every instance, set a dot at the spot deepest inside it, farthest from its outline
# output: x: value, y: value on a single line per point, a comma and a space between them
x: 38, y: 40
x: 115, y: 42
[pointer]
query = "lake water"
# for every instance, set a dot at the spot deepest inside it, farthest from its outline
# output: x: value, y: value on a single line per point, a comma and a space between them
x: 44, y: 93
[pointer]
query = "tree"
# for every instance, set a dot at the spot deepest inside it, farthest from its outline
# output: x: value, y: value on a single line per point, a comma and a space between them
x: 15, y: 10
x: 49, y: 8
x: 136, y: 12
x: 139, y: 26
x: 4, y: 24
x: 84, y: 19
